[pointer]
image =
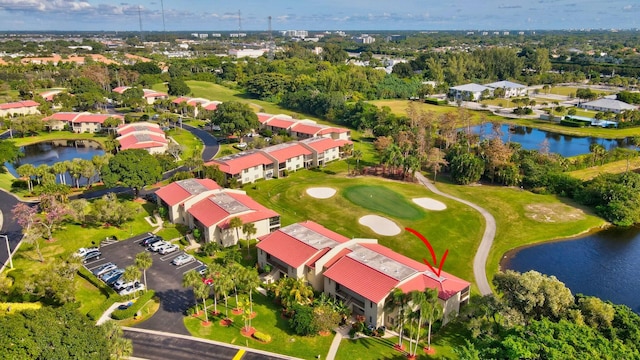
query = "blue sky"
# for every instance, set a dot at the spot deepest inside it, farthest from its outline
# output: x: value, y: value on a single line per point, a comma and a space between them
x: 219, y: 15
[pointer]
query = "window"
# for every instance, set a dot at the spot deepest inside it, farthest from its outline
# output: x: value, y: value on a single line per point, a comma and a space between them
x: 245, y: 171
x: 371, y: 304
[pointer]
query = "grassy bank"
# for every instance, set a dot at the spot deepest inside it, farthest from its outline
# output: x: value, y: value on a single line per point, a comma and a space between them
x: 615, y: 167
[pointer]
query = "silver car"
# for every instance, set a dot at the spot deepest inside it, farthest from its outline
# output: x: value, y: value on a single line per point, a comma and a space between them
x: 183, y: 259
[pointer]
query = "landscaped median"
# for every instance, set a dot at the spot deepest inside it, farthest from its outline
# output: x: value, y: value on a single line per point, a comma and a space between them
x: 268, y: 321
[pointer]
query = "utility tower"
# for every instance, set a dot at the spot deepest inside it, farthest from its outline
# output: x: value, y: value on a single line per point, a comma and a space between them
x: 271, y: 45
x: 140, y: 21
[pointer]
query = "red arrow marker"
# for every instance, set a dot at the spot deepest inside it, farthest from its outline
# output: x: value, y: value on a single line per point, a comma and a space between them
x: 433, y: 253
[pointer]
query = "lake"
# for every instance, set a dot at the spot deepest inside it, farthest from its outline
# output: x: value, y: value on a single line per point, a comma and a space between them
x: 51, y: 152
x: 604, y: 264
x: 565, y: 145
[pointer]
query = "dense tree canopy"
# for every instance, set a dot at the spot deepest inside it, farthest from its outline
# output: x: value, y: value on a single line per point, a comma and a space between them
x: 8, y: 151
x: 235, y: 118
x: 134, y: 168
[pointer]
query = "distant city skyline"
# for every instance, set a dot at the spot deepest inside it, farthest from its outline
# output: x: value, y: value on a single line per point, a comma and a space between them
x: 207, y: 15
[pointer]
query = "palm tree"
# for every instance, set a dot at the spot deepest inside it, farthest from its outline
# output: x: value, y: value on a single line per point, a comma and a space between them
x: 418, y: 298
x: 131, y: 273
x: 213, y: 272
x: 236, y: 223
x: 249, y: 229
x: 87, y: 170
x: 119, y: 347
x: 250, y: 281
x: 75, y: 170
x: 201, y: 290
x: 224, y: 285
x: 192, y: 279
x: 144, y: 261
x: 357, y: 154
x: 433, y: 311
x: 59, y: 169
x: 100, y: 161
x: 27, y: 171
x: 41, y: 170
x: 398, y: 302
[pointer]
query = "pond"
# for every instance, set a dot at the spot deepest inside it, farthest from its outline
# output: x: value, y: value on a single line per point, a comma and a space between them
x: 565, y: 145
x: 604, y: 264
x: 51, y: 152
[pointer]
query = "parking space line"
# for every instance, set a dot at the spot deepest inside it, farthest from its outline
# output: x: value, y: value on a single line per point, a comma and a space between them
x: 239, y: 354
x: 97, y: 265
x: 183, y: 265
x: 168, y: 257
x: 93, y: 262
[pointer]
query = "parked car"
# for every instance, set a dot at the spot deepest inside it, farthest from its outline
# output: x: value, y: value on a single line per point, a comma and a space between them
x: 125, y: 306
x: 158, y: 245
x: 114, y: 278
x: 83, y: 251
x: 150, y: 240
x: 110, y: 274
x: 183, y: 259
x: 137, y: 286
x: 121, y: 284
x: 92, y: 255
x: 168, y: 249
x: 104, y: 268
x: 202, y: 269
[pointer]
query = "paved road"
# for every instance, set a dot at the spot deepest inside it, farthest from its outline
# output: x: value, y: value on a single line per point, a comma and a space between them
x: 211, y: 146
x: 9, y: 227
x: 480, y: 260
x: 159, y: 346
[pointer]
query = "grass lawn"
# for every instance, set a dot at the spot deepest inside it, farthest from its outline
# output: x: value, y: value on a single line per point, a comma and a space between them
x: 524, y: 218
x: 367, y: 348
x: 87, y: 295
x: 71, y: 237
x: 57, y: 135
x: 615, y: 167
x: 459, y: 228
x: 568, y: 90
x: 269, y: 321
x: 507, y: 103
x: 192, y: 146
x: 146, y: 312
x: 399, y: 107
x: 594, y: 131
x: 381, y: 199
x: 212, y: 91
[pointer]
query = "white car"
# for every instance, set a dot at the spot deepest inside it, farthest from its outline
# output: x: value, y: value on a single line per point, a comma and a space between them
x: 84, y: 251
x: 183, y: 259
x: 102, y: 269
x: 168, y: 249
x: 137, y: 286
x: 121, y: 284
x: 158, y: 245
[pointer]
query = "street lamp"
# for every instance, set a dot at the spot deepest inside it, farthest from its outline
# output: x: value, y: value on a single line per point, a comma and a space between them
x: 6, y: 238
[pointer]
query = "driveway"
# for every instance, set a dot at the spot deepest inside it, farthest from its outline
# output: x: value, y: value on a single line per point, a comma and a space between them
x: 211, y: 146
x: 163, y: 277
x: 480, y: 260
x: 8, y: 226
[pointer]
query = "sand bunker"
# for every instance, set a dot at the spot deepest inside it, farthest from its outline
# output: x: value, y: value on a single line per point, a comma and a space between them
x: 430, y: 204
x: 321, y: 192
x: 380, y: 225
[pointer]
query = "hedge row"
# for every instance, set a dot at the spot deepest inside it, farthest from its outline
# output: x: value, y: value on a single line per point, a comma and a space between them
x: 262, y: 336
x: 95, y: 313
x: 572, y: 123
x: 434, y: 101
x: 104, y: 288
x: 133, y: 309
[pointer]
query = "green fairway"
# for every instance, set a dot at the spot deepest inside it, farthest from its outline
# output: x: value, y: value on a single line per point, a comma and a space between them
x: 381, y: 199
x: 399, y: 107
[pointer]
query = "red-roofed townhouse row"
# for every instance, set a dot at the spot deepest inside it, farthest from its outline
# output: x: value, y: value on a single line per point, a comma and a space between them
x: 150, y: 96
x: 360, y: 272
x: 202, y: 204
x: 17, y: 108
x: 197, y: 103
x: 274, y: 161
x: 301, y: 129
x: 142, y: 135
x: 79, y: 122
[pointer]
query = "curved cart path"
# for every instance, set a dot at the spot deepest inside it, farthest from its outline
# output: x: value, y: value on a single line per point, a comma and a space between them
x: 480, y: 260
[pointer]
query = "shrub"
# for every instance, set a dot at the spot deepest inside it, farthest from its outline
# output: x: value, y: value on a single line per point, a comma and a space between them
x: 133, y: 309
x: 262, y: 336
x: 95, y: 313
x: 104, y: 289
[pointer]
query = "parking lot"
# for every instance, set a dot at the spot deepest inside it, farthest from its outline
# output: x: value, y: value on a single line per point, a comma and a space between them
x: 163, y: 277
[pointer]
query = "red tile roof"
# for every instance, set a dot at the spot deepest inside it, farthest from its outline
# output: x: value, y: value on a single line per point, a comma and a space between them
x: 181, y: 99
x: 293, y: 251
x: 262, y: 117
x: 18, y: 104
x: 322, y: 144
x: 306, y: 128
x: 361, y: 279
x: 209, y: 213
x: 154, y: 94
x: 124, y: 130
x: 62, y: 116
x: 176, y: 193
x: 212, y: 106
x: 75, y: 117
x: 121, y: 89
x: 234, y: 164
x: 385, y: 251
x: 281, y: 123
x: 141, y: 141
x: 283, y: 153
x: 92, y: 118
x: 448, y: 287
